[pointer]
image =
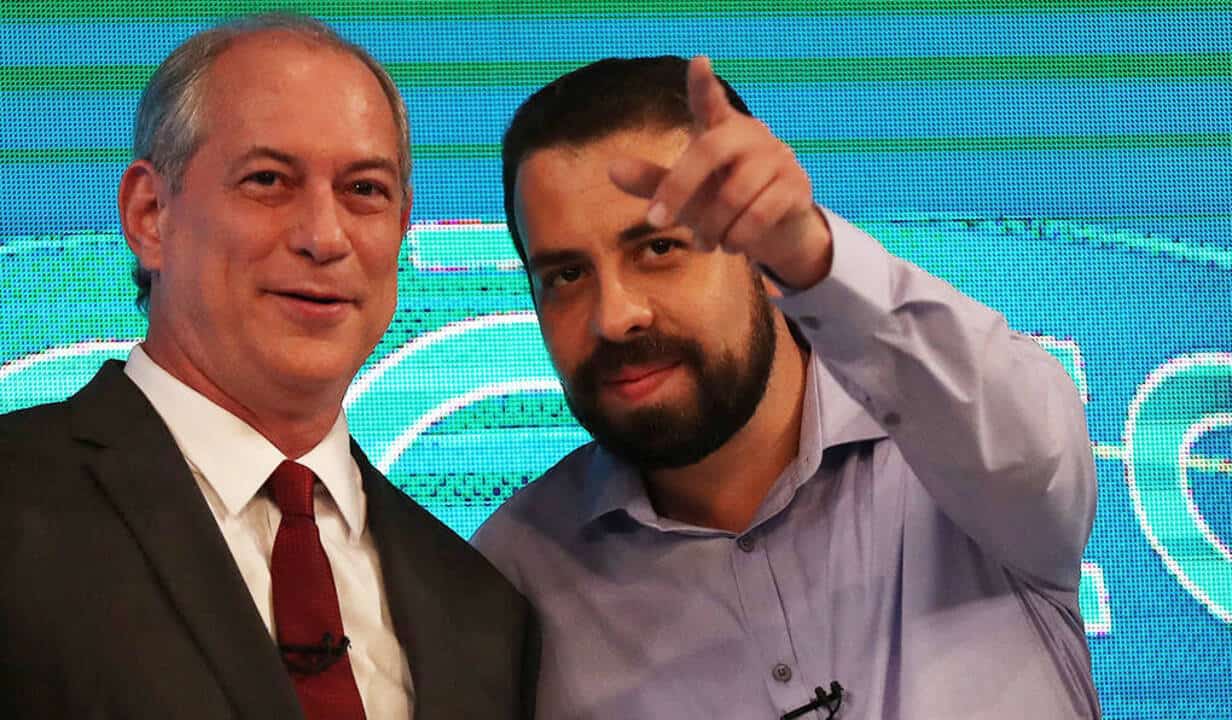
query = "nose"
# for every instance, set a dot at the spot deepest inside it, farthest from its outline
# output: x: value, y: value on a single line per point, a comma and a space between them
x: 622, y: 312
x: 321, y: 234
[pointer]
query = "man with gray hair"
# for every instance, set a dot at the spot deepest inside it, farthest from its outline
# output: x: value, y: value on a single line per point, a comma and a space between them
x: 194, y: 534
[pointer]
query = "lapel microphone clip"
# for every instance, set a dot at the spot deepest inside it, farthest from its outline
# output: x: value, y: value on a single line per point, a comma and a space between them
x: 830, y: 702
x: 314, y: 659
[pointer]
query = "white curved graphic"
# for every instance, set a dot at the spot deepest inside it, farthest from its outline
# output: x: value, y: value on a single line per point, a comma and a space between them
x: 362, y: 383
x: 454, y: 404
x: 1177, y: 403
x: 1207, y: 424
x: 57, y: 354
x: 440, y: 372
x: 55, y: 373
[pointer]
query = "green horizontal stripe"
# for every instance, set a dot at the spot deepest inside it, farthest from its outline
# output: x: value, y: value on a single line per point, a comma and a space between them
x: 738, y: 70
x: 806, y: 146
x: 456, y: 151
x: 74, y: 77
x: 207, y: 9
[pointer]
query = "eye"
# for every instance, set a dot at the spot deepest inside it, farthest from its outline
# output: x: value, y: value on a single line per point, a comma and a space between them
x: 562, y: 277
x: 658, y: 251
x: 367, y: 188
x: 264, y: 178
x: 660, y: 246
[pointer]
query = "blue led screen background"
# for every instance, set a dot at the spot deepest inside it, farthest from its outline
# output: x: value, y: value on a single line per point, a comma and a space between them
x: 1068, y: 163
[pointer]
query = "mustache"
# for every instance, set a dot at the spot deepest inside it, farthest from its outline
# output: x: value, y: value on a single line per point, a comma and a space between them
x: 609, y: 357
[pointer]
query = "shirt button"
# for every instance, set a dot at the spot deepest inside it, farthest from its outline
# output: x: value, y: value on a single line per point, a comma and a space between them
x: 891, y: 419
x: 781, y: 672
x: 746, y: 543
x: 810, y: 322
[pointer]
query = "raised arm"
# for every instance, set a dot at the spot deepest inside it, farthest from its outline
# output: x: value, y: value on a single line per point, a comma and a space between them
x: 989, y: 422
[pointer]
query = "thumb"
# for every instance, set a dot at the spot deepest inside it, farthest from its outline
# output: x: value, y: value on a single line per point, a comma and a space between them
x: 707, y: 98
x: 636, y: 176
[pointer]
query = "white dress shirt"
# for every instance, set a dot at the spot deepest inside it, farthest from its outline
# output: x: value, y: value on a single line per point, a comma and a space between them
x: 231, y: 462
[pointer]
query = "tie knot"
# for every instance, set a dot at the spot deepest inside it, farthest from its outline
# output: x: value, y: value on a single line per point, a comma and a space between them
x: 292, y: 484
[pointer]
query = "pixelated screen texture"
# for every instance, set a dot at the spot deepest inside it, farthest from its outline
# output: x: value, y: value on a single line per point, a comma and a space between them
x: 1067, y: 163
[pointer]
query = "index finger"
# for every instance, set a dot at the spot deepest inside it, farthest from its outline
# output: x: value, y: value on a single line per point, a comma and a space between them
x: 707, y: 99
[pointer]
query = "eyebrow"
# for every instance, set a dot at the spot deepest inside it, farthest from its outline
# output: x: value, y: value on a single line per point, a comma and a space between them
x: 638, y: 231
x: 631, y: 234
x: 551, y: 258
x: 370, y: 163
x: 374, y: 163
x: 261, y: 151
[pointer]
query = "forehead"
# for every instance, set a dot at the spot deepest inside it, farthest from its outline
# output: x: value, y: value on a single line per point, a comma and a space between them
x: 280, y: 85
x: 564, y: 194
x: 585, y: 166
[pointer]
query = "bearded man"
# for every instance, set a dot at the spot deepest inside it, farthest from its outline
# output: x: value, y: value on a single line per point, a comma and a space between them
x: 822, y: 479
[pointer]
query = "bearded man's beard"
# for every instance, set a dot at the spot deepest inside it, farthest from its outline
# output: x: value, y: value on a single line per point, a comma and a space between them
x: 729, y: 389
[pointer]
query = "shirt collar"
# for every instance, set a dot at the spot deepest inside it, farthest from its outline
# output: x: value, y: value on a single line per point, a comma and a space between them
x: 613, y: 484
x: 233, y: 458
x: 835, y: 418
x: 830, y: 417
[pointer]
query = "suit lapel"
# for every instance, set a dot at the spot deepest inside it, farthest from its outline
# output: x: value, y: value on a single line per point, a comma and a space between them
x: 412, y: 587
x: 141, y: 470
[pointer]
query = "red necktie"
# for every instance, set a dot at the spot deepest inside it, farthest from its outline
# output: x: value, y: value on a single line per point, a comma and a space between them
x: 306, y: 614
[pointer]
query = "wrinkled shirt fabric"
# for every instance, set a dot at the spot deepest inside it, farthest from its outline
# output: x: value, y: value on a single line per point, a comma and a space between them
x: 923, y: 549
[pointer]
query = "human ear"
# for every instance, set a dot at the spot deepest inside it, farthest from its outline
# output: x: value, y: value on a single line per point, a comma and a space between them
x: 142, y: 201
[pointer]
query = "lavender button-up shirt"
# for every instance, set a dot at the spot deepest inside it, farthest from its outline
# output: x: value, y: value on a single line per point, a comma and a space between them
x: 923, y: 549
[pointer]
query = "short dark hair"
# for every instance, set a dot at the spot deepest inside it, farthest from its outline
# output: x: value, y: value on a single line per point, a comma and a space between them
x: 593, y: 102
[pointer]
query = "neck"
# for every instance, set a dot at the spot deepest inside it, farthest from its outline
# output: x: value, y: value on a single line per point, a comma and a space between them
x: 294, y: 420
x: 725, y: 489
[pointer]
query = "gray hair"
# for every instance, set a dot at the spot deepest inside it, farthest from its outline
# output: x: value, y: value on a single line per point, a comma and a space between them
x: 168, y: 131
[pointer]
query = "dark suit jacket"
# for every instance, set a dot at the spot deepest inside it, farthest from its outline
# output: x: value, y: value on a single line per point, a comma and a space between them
x: 120, y: 599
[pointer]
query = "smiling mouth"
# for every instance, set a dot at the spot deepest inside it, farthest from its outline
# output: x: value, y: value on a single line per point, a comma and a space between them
x: 633, y: 375
x: 633, y: 384
x: 315, y: 299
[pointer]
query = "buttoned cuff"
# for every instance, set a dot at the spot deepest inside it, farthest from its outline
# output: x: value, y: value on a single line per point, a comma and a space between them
x: 853, y: 299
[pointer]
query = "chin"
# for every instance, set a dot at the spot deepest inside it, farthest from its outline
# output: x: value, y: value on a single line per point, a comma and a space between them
x: 316, y: 367
x: 664, y: 399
